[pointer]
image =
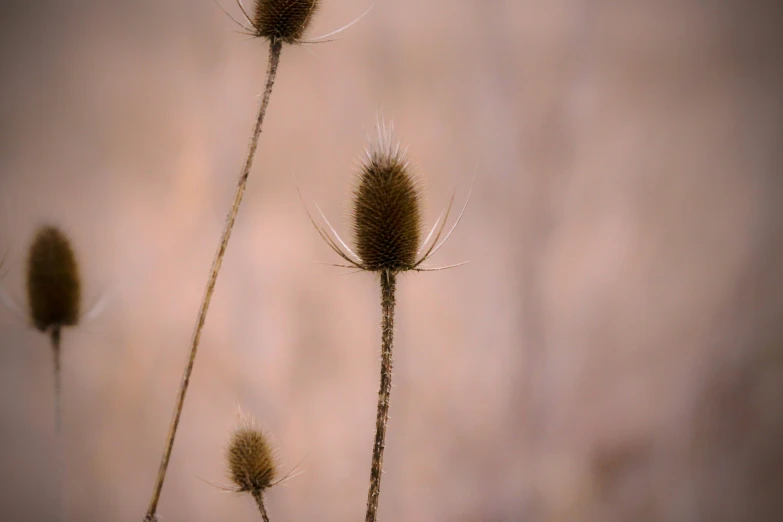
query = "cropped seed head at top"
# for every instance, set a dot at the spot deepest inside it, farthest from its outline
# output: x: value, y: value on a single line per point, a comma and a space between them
x: 53, y: 283
x: 282, y: 20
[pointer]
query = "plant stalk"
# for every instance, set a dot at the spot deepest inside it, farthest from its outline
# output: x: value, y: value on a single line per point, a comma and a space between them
x: 56, y: 337
x: 274, y: 60
x: 388, y: 282
x: 259, y: 496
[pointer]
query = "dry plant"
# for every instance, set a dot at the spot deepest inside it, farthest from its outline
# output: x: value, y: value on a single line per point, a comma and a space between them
x: 279, y: 22
x: 252, y: 463
x: 386, y: 220
x: 54, y: 293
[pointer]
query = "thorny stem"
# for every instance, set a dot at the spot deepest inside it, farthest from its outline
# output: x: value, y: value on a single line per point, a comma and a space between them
x: 259, y: 496
x: 274, y: 60
x: 388, y: 281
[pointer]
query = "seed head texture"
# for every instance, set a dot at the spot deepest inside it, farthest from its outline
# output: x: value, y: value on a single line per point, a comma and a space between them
x: 283, y: 20
x: 387, y: 213
x: 251, y: 461
x: 53, y: 285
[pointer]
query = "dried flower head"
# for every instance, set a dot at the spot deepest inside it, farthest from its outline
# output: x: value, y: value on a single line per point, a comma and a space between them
x: 53, y: 286
x: 279, y: 21
x: 283, y: 20
x: 251, y: 459
x: 386, y: 214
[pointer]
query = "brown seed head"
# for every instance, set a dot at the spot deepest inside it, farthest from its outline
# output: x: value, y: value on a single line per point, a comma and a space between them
x: 386, y: 209
x: 283, y: 20
x: 251, y: 461
x: 53, y: 287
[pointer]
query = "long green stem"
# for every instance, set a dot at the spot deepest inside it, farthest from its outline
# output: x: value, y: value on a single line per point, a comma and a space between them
x: 388, y: 281
x: 274, y: 60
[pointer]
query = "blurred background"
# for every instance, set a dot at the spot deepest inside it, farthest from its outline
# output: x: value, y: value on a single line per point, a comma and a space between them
x: 613, y: 352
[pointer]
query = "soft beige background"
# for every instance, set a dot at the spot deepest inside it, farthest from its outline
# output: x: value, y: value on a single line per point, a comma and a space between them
x: 614, y: 351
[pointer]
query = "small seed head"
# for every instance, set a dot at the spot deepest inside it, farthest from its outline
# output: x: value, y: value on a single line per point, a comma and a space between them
x: 386, y: 208
x: 283, y: 20
x: 251, y: 460
x: 53, y: 286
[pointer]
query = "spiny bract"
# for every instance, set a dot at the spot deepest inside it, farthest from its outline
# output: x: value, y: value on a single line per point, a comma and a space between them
x: 387, y: 209
x: 283, y: 20
x: 251, y: 461
x: 53, y: 287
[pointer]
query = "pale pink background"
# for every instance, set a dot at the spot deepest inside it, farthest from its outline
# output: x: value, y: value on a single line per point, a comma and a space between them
x: 614, y: 351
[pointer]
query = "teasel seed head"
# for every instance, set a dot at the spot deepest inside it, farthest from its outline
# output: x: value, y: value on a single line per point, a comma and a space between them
x: 53, y: 283
x: 386, y: 215
x: 251, y: 458
x: 283, y: 20
x: 386, y: 208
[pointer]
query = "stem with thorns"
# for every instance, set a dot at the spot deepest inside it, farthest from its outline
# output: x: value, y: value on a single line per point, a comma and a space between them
x: 274, y: 60
x: 388, y: 281
x: 259, y: 496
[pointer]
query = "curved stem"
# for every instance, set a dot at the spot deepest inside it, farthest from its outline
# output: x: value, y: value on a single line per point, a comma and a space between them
x: 259, y: 496
x: 274, y: 60
x: 388, y: 281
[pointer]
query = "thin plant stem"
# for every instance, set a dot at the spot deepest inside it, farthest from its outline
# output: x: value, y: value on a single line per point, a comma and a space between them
x: 56, y: 337
x: 274, y: 60
x: 259, y: 496
x: 388, y: 281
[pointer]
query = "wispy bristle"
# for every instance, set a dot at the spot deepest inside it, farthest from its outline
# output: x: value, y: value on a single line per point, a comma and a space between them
x: 251, y: 461
x: 283, y: 20
x: 386, y: 208
x: 53, y: 285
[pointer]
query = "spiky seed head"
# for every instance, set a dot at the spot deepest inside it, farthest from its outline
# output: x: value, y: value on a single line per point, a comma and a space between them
x: 53, y: 287
x: 251, y: 459
x: 283, y: 20
x: 386, y: 211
